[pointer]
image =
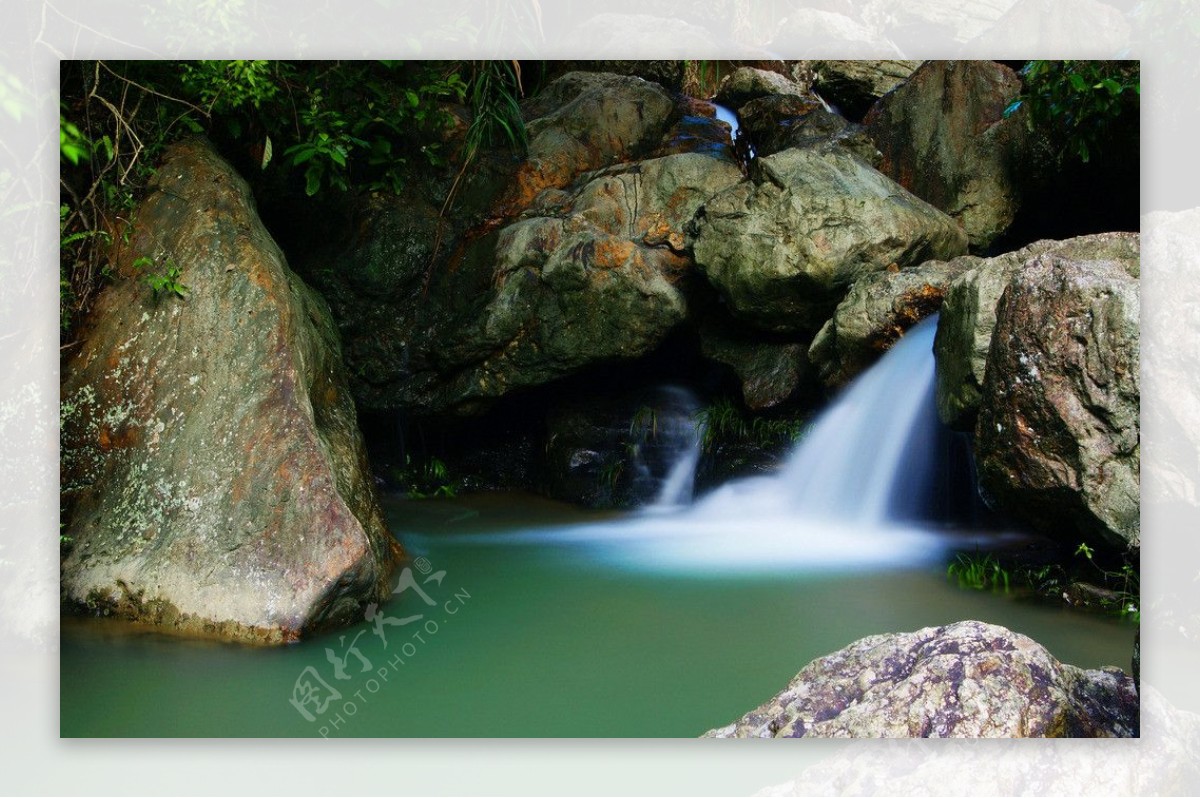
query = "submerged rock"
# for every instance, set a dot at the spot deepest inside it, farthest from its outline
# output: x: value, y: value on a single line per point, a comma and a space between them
x: 784, y: 248
x: 213, y: 475
x: 967, y: 679
x: 968, y: 317
x: 944, y: 137
x: 1057, y: 441
x: 875, y: 313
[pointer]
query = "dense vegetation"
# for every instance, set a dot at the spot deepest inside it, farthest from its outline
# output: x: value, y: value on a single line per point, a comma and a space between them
x: 321, y: 126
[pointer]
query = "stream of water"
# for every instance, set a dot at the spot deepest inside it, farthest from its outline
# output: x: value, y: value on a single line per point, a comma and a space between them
x: 540, y: 619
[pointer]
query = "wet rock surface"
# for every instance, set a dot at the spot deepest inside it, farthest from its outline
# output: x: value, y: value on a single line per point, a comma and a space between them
x: 967, y: 679
x: 944, y: 137
x: 1058, y: 436
x: 875, y: 313
x: 968, y: 315
x: 213, y: 474
x: 784, y: 248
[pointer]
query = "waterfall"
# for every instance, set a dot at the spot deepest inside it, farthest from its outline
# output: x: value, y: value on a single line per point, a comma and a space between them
x: 858, y: 460
x: 852, y: 494
x: 670, y: 451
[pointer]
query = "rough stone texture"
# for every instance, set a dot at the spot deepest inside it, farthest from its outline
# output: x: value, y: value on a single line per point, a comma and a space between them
x: 968, y: 314
x: 875, y: 313
x: 783, y: 122
x: 968, y: 679
x: 770, y: 371
x: 944, y: 137
x: 584, y: 121
x: 590, y: 277
x: 212, y: 469
x: 784, y: 249
x: 698, y: 130
x: 854, y: 86
x: 746, y: 83
x: 1057, y: 441
x: 668, y: 74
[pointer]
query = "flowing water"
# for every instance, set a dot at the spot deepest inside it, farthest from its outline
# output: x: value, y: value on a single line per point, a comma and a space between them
x: 526, y: 617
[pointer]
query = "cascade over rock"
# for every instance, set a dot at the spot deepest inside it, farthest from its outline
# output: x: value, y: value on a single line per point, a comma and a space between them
x: 213, y: 475
x: 875, y: 313
x: 780, y: 122
x: 783, y: 249
x: 967, y: 679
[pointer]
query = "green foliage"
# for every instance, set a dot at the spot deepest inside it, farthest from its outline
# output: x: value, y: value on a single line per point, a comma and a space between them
x: 495, y: 112
x: 1125, y: 583
x: 425, y: 479
x: 723, y: 422
x: 164, y: 281
x: 979, y: 572
x: 231, y: 86
x: 338, y: 125
x: 644, y: 423
x: 1079, y: 104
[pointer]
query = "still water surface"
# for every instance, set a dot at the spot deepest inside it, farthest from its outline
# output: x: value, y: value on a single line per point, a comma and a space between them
x: 537, y: 639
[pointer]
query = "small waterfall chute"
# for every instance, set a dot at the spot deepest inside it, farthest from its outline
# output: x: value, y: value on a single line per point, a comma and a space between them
x: 845, y: 498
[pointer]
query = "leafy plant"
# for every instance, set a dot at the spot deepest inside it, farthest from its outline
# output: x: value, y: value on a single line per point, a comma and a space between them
x: 425, y: 479
x: 724, y: 422
x: 645, y: 421
x: 979, y: 572
x: 162, y: 282
x: 1079, y: 103
x: 1124, y: 581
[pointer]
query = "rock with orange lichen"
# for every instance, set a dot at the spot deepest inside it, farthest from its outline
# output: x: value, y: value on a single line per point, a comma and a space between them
x: 875, y: 313
x: 784, y: 248
x: 588, y: 276
x: 214, y: 480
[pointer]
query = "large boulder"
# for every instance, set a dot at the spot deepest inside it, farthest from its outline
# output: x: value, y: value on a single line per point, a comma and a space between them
x: 944, y: 137
x: 781, y: 122
x: 968, y: 314
x: 854, y: 86
x: 747, y: 83
x: 213, y: 476
x: 967, y: 679
x: 588, y: 277
x: 875, y: 313
x: 1057, y: 441
x: 784, y: 248
x: 584, y: 121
